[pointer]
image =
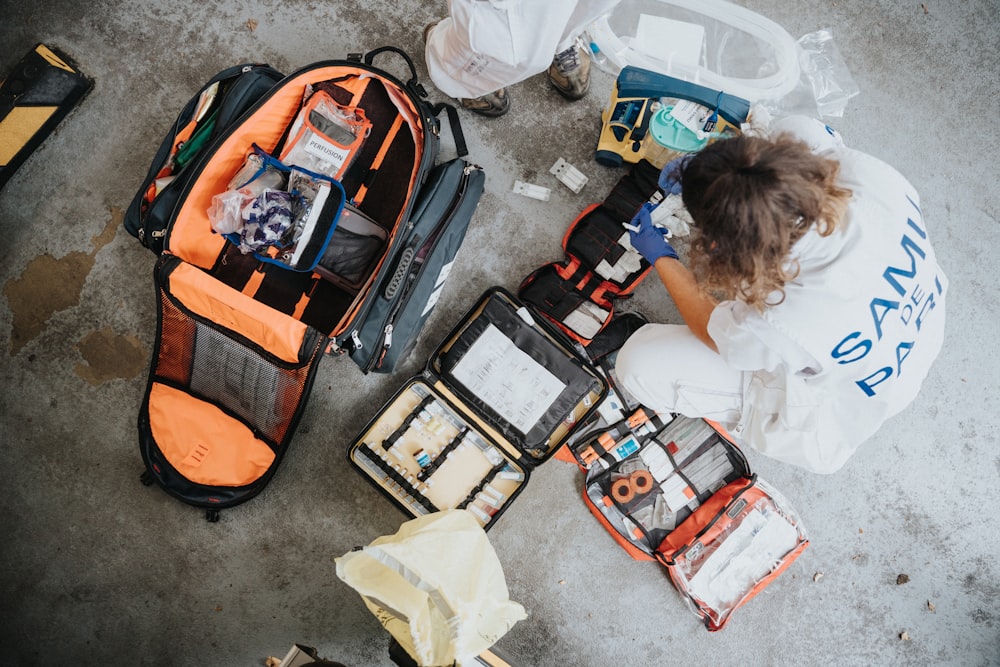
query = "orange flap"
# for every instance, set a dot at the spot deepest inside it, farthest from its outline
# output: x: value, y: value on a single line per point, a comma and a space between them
x: 203, y: 443
x: 707, y: 518
x: 277, y: 333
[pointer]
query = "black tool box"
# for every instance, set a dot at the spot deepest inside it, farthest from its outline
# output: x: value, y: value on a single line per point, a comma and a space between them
x: 499, y: 396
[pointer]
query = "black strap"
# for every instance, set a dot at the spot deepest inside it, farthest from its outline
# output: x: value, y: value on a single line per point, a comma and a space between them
x: 370, y: 56
x: 456, y: 126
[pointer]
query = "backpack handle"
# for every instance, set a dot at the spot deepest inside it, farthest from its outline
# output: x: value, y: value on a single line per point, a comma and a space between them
x: 456, y: 125
x: 370, y: 56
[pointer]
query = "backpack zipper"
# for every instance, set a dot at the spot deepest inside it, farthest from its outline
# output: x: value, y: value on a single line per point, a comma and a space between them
x: 403, y: 298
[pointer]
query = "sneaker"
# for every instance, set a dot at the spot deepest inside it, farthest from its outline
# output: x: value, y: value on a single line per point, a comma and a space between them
x: 569, y: 73
x: 490, y: 105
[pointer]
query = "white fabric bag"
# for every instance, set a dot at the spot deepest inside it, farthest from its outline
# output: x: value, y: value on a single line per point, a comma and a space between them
x: 437, y: 587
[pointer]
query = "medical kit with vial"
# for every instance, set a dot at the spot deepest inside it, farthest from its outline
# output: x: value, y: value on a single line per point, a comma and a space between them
x: 498, y: 397
x: 657, y: 118
x: 678, y: 490
x: 319, y: 219
x: 600, y: 267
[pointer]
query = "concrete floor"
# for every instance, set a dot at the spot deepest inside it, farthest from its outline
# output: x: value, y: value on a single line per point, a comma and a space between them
x: 96, y: 569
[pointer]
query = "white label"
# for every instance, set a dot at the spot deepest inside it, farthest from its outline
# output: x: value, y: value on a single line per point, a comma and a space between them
x: 326, y: 151
x: 508, y: 380
x: 438, y: 288
x: 691, y: 115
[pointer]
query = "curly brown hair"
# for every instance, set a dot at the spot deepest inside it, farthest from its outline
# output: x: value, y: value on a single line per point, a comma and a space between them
x: 751, y: 199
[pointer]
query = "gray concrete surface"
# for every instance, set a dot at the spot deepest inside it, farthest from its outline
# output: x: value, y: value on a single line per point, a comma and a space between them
x: 96, y: 569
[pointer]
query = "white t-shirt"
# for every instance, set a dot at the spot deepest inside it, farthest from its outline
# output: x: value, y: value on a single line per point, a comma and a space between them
x: 856, y: 334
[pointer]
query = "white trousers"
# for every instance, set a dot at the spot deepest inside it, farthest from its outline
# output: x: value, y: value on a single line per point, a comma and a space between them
x: 665, y: 367
x: 484, y: 45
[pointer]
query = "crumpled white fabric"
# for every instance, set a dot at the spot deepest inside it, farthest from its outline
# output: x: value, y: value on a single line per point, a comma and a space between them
x: 437, y: 586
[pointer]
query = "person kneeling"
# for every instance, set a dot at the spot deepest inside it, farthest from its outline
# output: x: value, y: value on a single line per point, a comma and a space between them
x: 813, y: 308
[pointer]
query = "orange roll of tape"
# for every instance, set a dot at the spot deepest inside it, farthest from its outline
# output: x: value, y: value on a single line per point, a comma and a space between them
x: 622, y: 490
x: 641, y: 481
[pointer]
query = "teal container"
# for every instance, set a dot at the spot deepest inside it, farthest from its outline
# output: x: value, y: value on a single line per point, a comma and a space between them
x: 671, y: 138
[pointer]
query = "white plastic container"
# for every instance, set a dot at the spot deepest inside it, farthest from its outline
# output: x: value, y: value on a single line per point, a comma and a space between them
x: 742, y: 53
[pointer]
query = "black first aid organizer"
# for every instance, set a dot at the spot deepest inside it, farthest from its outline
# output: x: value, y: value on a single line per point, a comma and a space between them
x: 600, y: 266
x: 499, y: 396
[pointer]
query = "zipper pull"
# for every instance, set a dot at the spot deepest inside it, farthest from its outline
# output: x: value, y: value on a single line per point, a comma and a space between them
x: 388, y: 337
x: 356, y: 341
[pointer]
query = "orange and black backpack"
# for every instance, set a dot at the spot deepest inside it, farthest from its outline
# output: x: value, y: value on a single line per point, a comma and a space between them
x: 240, y: 333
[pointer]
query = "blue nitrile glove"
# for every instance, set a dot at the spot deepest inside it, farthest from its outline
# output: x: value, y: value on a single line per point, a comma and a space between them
x: 670, y: 176
x: 649, y: 241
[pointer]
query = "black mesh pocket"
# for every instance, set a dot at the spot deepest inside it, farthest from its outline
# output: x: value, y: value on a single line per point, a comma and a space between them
x: 552, y: 295
x: 597, y: 238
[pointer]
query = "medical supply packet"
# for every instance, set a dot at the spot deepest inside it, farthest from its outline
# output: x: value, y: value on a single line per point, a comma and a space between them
x: 677, y: 490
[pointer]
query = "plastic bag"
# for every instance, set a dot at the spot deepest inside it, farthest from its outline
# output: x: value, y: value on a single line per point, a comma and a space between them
x: 826, y: 72
x: 253, y: 179
x: 226, y: 212
x: 726, y: 47
x: 266, y: 219
x: 437, y: 586
x: 713, y: 43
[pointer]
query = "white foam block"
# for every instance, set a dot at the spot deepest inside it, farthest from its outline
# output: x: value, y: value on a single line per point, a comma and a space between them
x: 669, y: 40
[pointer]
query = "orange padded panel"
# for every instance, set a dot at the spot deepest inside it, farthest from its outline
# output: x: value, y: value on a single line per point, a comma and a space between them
x: 203, y: 443
x: 277, y: 333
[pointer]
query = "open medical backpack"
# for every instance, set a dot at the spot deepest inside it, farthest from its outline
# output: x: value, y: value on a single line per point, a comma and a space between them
x: 240, y: 333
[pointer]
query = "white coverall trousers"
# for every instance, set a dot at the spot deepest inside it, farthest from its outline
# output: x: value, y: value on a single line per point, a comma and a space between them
x: 485, y: 45
x: 666, y: 368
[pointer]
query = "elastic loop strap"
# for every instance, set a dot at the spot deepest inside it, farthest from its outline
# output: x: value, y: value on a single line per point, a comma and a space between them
x: 456, y: 126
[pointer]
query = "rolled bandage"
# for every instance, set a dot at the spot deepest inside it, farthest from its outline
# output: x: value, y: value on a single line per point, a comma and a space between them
x: 622, y: 490
x: 641, y: 481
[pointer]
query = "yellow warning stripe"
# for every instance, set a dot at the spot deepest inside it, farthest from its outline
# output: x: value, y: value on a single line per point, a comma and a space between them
x: 52, y: 58
x: 18, y: 127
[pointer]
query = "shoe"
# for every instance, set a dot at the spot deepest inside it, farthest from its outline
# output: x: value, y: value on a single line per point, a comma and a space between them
x: 490, y: 105
x: 569, y: 73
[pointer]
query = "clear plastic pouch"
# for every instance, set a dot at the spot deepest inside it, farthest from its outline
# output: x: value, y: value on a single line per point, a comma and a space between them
x: 325, y: 137
x: 740, y: 550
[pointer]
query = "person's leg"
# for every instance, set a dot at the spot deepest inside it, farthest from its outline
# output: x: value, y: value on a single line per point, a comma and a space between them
x: 482, y: 48
x: 476, y: 79
x: 666, y: 368
x: 569, y: 72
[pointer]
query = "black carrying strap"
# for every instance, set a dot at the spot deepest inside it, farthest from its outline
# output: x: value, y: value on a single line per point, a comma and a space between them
x: 412, y: 83
x: 456, y: 126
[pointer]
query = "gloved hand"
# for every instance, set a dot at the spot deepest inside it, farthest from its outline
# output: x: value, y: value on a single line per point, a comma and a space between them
x: 669, y: 180
x: 649, y: 241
